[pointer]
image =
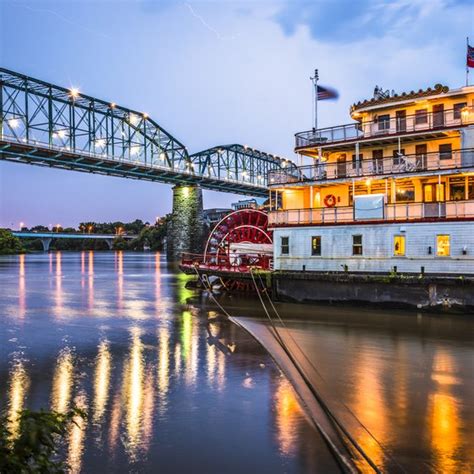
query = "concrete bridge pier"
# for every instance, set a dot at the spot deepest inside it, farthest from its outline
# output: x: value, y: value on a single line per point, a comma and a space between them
x: 186, y: 230
x: 46, y: 241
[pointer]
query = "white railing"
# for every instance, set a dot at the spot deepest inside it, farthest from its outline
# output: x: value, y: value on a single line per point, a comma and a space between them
x: 392, y: 212
x: 385, y: 127
x: 369, y: 166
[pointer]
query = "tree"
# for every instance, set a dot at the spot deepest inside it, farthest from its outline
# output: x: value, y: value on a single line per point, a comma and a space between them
x: 34, y: 449
x: 9, y: 244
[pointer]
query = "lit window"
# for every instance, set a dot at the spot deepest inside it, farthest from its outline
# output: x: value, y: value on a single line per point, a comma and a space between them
x: 285, y: 245
x: 443, y: 245
x: 316, y: 245
x: 357, y: 245
x: 457, y: 109
x: 399, y: 245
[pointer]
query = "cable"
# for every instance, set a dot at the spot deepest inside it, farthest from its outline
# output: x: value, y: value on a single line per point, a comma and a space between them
x: 384, y: 449
x: 313, y: 391
x: 339, y: 456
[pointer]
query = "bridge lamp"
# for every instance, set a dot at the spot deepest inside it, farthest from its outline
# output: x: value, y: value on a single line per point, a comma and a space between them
x: 22, y: 224
x: 162, y: 156
x: 14, y: 123
x: 145, y: 116
x: 61, y: 133
x: 100, y: 142
x: 112, y: 105
x: 133, y: 119
x: 74, y: 91
x: 134, y: 150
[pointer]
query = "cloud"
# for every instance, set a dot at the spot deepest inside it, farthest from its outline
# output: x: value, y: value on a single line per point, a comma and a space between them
x: 344, y: 21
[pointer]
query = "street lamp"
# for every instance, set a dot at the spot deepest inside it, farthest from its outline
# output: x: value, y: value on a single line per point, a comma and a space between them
x: 22, y: 224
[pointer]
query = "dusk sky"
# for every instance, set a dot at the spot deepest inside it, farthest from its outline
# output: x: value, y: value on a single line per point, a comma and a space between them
x: 214, y: 73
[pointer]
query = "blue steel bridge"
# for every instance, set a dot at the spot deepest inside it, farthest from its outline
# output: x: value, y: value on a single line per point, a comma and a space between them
x: 48, y: 125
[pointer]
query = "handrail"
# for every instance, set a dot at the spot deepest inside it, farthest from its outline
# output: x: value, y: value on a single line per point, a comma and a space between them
x: 236, y: 262
x: 383, y: 127
x: 392, y: 212
x: 370, y: 166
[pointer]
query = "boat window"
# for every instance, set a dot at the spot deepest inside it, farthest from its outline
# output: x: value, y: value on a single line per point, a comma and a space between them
x: 445, y: 151
x: 457, y: 189
x: 457, y: 110
x: 470, y: 187
x: 357, y: 245
x: 421, y: 116
x: 384, y: 122
x: 285, y: 246
x: 399, y: 245
x: 443, y: 245
x: 316, y: 245
x: 405, y: 192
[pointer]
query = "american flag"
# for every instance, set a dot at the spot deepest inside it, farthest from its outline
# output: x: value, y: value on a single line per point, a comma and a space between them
x: 470, y: 56
x: 328, y: 93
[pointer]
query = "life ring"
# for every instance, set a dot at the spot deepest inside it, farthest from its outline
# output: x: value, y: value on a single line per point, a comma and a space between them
x: 330, y: 200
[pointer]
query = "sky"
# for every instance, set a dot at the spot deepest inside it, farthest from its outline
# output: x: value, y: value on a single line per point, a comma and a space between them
x: 214, y: 73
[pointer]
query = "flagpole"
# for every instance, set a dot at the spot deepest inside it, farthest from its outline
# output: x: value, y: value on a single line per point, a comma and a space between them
x: 315, y: 83
x: 467, y: 65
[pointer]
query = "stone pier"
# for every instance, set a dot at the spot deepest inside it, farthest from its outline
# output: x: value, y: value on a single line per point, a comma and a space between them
x: 186, y: 230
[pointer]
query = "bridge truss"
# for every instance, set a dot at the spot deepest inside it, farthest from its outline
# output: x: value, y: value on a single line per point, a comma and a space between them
x: 44, y: 124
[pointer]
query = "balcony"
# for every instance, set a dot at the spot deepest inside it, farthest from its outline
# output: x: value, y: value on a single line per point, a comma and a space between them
x: 385, y: 126
x: 384, y: 166
x: 412, y: 211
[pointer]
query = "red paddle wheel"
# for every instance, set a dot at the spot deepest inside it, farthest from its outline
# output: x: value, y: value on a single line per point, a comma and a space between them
x: 239, y: 241
x: 239, y: 237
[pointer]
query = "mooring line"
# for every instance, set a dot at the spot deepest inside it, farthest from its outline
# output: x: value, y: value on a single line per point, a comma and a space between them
x: 333, y: 448
x: 384, y: 449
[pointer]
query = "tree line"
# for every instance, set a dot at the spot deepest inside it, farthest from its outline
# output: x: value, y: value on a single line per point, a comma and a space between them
x: 148, y: 236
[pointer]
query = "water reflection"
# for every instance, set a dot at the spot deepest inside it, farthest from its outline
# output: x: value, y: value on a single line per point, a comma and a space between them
x: 21, y: 287
x: 18, y: 388
x: 133, y: 393
x: 90, y: 280
x: 287, y: 412
x: 119, y: 257
x: 63, y: 379
x: 443, y: 414
x: 164, y: 365
x: 101, y: 381
x: 77, y: 434
x: 370, y: 406
x: 58, y: 295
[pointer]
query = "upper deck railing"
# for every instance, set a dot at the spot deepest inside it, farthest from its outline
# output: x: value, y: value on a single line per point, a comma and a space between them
x: 404, y: 211
x: 386, y: 125
x: 370, y: 166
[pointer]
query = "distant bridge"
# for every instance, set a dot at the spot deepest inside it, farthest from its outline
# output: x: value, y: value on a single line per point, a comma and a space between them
x: 44, y: 124
x: 47, y: 237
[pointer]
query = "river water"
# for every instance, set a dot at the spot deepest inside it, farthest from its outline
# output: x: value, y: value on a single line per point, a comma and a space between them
x: 171, y: 386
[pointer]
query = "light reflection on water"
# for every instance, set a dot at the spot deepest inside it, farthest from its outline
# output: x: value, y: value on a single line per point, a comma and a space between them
x: 163, y: 379
x: 169, y: 385
x: 409, y: 381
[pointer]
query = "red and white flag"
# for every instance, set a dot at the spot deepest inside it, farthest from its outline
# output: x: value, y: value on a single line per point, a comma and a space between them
x: 470, y: 56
